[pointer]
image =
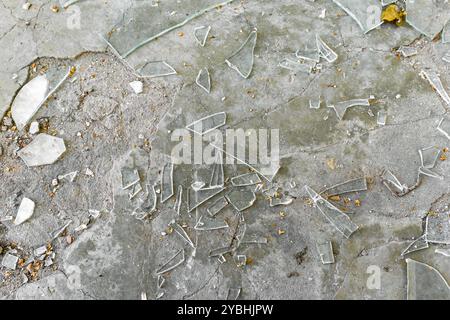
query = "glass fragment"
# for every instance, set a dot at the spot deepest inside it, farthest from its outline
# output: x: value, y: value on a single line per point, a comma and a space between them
x: 247, y: 179
x: 425, y: 282
x: 208, y: 123
x: 242, y: 59
x: 326, y: 252
x: 167, y: 182
x: 172, y: 263
x: 217, y: 206
x: 203, y: 80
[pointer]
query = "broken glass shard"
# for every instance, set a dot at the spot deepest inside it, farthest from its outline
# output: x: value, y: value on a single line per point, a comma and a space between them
x: 407, y: 51
x: 381, y: 118
x: 425, y: 282
x: 197, y: 198
x: 429, y: 173
x: 295, y: 66
x: 444, y: 252
x: 71, y: 176
x: 427, y: 17
x: 241, y: 260
x: 435, y: 81
x: 241, y: 198
x: 55, y: 234
x: 182, y: 233
x: 208, y: 224
x: 172, y: 263
x: 43, y: 150
x: 283, y: 201
x: 204, y: 80
x: 154, y: 69
x: 28, y: 100
x: 429, y: 156
x: 335, y: 216
x: 326, y: 252
x: 233, y: 293
x: 161, y: 280
x: 363, y: 12
x: 341, y: 107
x: 325, y: 51
x: 418, y: 244
x: 390, y: 180
x: 217, y: 175
x: 253, y: 239
x: 242, y: 59
x: 197, y: 185
x: 308, y: 54
x: 219, y: 252
x: 207, y: 124
x: 437, y: 226
x: 149, y: 204
x: 179, y: 200
x: 166, y: 182
x: 201, y: 34
x: 444, y: 127
x: 134, y: 191
x: 314, y: 104
x: 217, y: 206
x: 354, y: 185
x: 387, y: 2
x: 130, y: 177
x: 26, y: 210
x: 247, y: 179
x: 9, y: 261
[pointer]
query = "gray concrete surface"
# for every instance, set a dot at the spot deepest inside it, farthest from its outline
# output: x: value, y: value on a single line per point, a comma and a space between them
x: 105, y: 124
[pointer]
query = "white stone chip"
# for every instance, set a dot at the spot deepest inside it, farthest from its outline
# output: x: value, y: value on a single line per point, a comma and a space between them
x: 43, y: 150
x: 137, y: 86
x: 26, y: 210
x: 29, y: 100
x: 34, y: 127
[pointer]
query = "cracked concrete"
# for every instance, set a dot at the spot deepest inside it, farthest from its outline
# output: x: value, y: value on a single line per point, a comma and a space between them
x: 104, y: 124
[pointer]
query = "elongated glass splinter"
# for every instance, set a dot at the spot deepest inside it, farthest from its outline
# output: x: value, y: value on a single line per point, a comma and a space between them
x: 247, y: 179
x: 354, y: 185
x: 337, y: 218
x: 172, y: 263
x: 435, y: 81
x: 207, y: 124
x: 166, y: 182
x: 180, y: 231
x: 217, y: 206
x: 325, y: 51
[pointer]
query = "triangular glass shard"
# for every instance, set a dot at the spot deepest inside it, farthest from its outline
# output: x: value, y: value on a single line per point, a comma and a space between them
x: 208, y: 224
x: 161, y: 280
x: 182, y: 233
x: 207, y: 124
x: 326, y: 252
x: 241, y: 198
x: 390, y: 180
x: 242, y: 59
x: 217, y: 206
x: 425, y: 282
x: 429, y: 173
x: 154, y: 69
x: 363, y: 12
x: 308, y: 54
x: 203, y: 80
x: 444, y: 127
x: 135, y: 190
x: 130, y: 177
x: 325, y: 51
x: 337, y: 218
x: 195, y: 199
x: 437, y: 227
x: 341, y: 107
x: 427, y: 17
x: 247, y: 179
x: 71, y: 176
x: 435, y: 81
x: 407, y: 51
x: 43, y: 150
x: 172, y: 263
x: 201, y: 34
x: 418, y: 244
x: 295, y: 66
x: 217, y: 175
x: 354, y: 185
x: 166, y: 182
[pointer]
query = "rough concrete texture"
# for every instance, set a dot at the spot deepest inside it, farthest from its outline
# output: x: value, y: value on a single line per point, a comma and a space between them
x: 105, y: 125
